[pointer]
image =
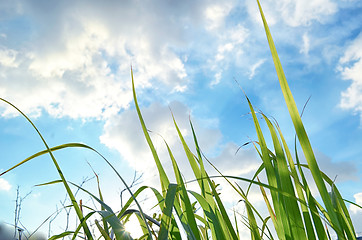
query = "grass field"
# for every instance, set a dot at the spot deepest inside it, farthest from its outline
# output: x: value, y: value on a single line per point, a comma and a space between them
x: 294, y: 212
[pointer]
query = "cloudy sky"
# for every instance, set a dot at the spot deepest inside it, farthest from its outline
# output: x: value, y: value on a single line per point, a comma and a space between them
x: 66, y: 64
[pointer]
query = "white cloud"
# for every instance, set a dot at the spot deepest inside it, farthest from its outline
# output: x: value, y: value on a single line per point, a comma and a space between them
x: 254, y: 67
x: 8, y: 58
x: 4, y: 185
x: 75, y: 61
x: 124, y: 133
x: 350, y: 66
x: 300, y: 12
x: 229, y: 50
x: 293, y: 13
x: 306, y: 45
x: 356, y: 213
x: 216, y: 13
x: 358, y: 200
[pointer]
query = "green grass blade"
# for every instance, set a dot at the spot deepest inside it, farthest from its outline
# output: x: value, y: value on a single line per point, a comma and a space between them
x: 272, y: 178
x: 254, y: 230
x: 61, y: 235
x: 69, y: 191
x: 318, y: 225
x: 167, y: 212
x: 213, y: 220
x: 190, y: 224
x: 226, y: 223
x: 102, y: 231
x: 110, y: 217
x: 163, y: 177
x: 298, y: 186
x: 289, y: 205
x: 298, y: 125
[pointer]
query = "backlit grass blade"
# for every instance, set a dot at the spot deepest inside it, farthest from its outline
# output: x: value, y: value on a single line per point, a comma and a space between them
x: 61, y: 235
x: 53, y: 149
x: 202, y: 167
x: 289, y: 205
x: 305, y: 213
x: 255, y: 235
x: 318, y: 225
x: 298, y: 125
x: 190, y: 224
x: 239, y: 190
x: 163, y: 177
x: 102, y: 231
x: 205, y: 190
x: 272, y: 178
x: 271, y: 211
x: 213, y: 221
x: 167, y: 212
x: 203, y: 183
x: 341, y: 209
x: 108, y: 214
x: 69, y: 191
x: 105, y: 224
x: 225, y: 217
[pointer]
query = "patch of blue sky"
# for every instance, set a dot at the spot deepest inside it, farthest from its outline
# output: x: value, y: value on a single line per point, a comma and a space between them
x: 16, y: 31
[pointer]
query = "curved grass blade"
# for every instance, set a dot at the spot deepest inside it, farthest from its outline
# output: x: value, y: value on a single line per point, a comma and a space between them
x: 69, y: 191
x: 163, y: 177
x: 61, y: 235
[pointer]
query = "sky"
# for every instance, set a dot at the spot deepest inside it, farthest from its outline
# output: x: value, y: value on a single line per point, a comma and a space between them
x: 66, y: 64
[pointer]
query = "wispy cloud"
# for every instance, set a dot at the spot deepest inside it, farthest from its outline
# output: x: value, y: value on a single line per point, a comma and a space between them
x: 306, y: 45
x: 254, y: 67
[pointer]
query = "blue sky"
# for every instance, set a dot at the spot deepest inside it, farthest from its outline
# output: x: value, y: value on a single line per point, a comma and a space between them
x: 67, y: 65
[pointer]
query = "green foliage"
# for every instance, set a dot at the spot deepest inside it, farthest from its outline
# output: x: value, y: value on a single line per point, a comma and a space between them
x: 293, y: 210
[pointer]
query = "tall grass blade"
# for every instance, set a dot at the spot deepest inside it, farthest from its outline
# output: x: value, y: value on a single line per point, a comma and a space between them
x: 289, y: 205
x: 189, y: 222
x: 224, y: 216
x: 167, y: 212
x: 299, y: 128
x: 163, y: 177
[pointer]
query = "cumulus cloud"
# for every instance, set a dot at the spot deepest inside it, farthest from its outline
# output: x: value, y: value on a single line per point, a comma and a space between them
x: 123, y: 133
x: 4, y: 185
x: 74, y: 59
x: 350, y: 66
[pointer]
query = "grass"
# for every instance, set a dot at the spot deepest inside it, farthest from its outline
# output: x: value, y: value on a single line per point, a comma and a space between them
x: 294, y: 211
